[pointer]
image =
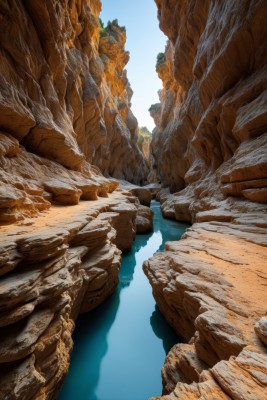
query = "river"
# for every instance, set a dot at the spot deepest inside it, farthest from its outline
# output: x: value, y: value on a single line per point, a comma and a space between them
x: 120, y: 347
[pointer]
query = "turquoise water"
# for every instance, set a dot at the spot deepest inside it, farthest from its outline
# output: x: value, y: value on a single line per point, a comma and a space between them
x: 121, y: 346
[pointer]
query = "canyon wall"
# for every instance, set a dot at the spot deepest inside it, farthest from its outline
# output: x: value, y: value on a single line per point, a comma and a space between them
x: 209, y: 151
x: 144, y: 140
x: 64, y: 107
x: 210, y: 140
x: 120, y: 156
x: 66, y: 127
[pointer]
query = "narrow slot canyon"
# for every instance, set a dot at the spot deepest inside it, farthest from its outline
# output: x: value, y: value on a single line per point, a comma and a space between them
x: 133, y: 264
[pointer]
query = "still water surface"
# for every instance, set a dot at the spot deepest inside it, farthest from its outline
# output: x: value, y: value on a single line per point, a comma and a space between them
x: 120, y: 347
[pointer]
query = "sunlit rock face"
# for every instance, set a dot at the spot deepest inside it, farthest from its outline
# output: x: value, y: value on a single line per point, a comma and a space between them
x: 64, y: 106
x: 209, y: 151
x: 144, y: 140
x: 65, y: 122
x: 123, y: 158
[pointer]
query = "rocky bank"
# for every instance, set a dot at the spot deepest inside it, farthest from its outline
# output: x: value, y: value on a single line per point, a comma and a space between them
x: 209, y: 151
x: 63, y: 263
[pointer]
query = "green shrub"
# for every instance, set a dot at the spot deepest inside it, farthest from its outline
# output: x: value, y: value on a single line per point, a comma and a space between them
x: 155, y: 108
x: 101, y: 23
x: 102, y: 28
x: 145, y: 132
x: 107, y: 30
x: 116, y: 23
x: 161, y: 59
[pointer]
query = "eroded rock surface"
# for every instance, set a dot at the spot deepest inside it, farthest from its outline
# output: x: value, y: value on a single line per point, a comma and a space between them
x: 211, y: 287
x: 52, y: 268
x: 144, y: 219
x: 209, y: 153
x: 65, y: 123
x: 64, y: 105
x: 120, y: 157
x: 210, y: 142
x: 144, y: 193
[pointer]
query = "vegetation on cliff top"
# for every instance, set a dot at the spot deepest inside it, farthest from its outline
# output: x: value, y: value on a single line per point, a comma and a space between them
x: 143, y: 134
x: 154, y: 108
x: 161, y: 58
x: 109, y: 28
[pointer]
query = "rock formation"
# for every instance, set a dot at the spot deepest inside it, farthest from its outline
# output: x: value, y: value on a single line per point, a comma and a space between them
x: 211, y: 127
x: 64, y: 262
x: 144, y: 140
x: 64, y: 105
x: 209, y: 153
x: 210, y: 286
x: 120, y: 157
x: 65, y: 120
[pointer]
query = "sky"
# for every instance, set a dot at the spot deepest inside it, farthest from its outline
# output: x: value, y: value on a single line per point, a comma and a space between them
x: 144, y: 41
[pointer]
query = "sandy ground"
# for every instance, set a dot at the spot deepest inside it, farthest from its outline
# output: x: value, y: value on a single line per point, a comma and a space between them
x: 57, y: 216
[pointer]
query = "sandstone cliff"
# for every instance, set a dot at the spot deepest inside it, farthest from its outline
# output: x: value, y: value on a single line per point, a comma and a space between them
x: 65, y: 121
x: 64, y: 105
x: 209, y: 152
x: 211, y: 126
x: 144, y: 140
x: 120, y: 157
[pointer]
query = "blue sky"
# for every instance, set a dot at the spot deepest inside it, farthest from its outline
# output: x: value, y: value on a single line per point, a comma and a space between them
x: 144, y: 41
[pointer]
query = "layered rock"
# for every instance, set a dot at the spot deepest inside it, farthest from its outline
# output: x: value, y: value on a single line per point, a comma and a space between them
x: 211, y: 127
x: 144, y: 140
x: 52, y: 269
x: 61, y: 108
x: 144, y: 219
x: 144, y: 193
x: 65, y: 122
x: 209, y: 153
x: 210, y: 287
x: 122, y: 158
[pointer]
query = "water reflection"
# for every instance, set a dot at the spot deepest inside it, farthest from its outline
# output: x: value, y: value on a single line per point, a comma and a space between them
x: 121, y: 346
x: 169, y: 229
x: 162, y: 330
x: 129, y: 260
x: 91, y: 345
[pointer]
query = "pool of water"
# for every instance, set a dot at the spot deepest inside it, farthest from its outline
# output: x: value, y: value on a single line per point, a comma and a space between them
x: 121, y: 346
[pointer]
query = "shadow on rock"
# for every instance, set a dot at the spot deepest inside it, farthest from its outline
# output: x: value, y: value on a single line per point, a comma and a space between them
x: 163, y: 330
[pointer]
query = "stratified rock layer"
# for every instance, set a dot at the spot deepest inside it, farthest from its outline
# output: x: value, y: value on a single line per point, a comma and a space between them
x: 64, y: 105
x: 65, y: 120
x: 120, y: 156
x: 209, y: 151
x: 52, y: 268
x: 211, y: 287
x: 211, y: 126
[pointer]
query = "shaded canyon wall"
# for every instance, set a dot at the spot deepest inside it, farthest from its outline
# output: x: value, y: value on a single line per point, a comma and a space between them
x: 211, y: 127
x: 209, y: 151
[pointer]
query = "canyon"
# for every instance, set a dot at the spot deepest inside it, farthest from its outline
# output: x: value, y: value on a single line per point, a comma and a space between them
x: 72, y: 195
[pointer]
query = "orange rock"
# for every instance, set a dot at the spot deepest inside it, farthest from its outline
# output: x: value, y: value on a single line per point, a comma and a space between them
x: 53, y: 268
x: 63, y: 102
